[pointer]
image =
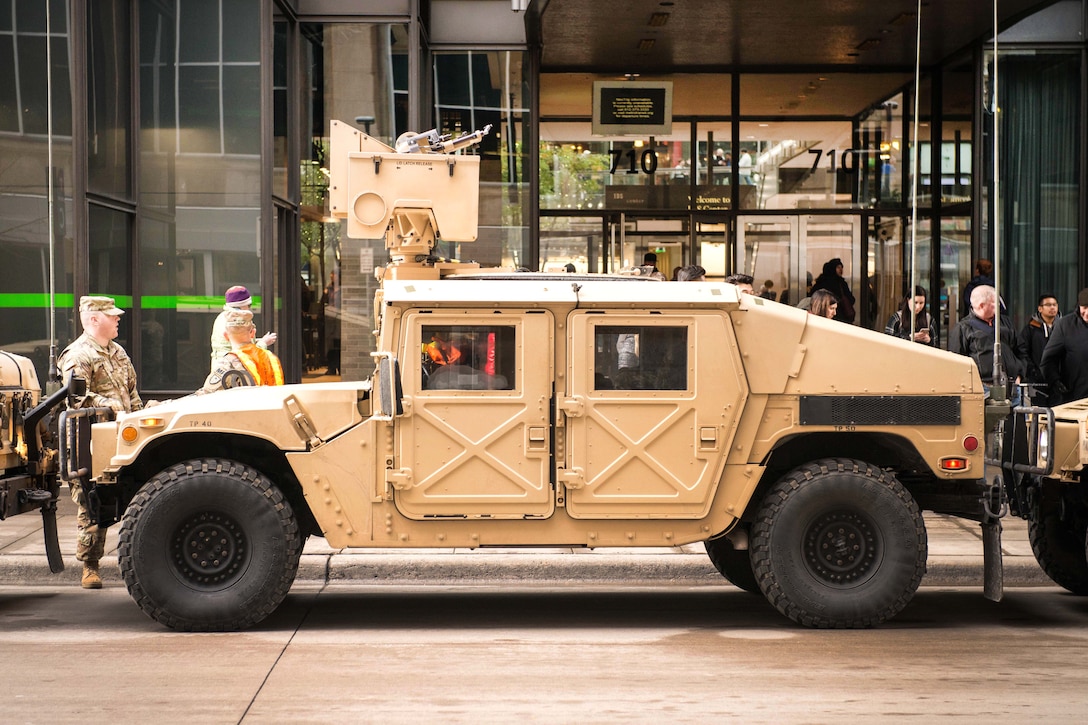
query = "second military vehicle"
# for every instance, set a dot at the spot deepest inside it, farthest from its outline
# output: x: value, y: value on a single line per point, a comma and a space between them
x: 525, y: 409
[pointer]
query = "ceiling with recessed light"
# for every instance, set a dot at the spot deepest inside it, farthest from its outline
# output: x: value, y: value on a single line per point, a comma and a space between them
x: 662, y: 36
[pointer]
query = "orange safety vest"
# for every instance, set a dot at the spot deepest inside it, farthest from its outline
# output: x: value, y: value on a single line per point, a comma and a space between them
x: 261, y: 364
x: 442, y: 352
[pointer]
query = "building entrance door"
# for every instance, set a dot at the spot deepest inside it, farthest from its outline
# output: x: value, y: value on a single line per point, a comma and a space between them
x: 629, y: 239
x: 791, y: 250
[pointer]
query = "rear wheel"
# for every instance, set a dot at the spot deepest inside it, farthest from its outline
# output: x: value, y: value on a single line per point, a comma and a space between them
x: 209, y: 545
x: 839, y: 543
x: 733, y: 564
x: 1059, y: 540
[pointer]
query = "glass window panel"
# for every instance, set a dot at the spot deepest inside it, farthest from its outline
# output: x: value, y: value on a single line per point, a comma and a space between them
x: 571, y: 240
x: 24, y: 206
x: 198, y: 31
x: 198, y: 116
x: 468, y: 357
x: 881, y: 156
x: 108, y: 74
x: 242, y: 41
x: 109, y: 252
x: 9, y: 100
x: 5, y: 15
x: 451, y: 76
x: 795, y: 164
x: 280, y: 89
x: 347, y: 68
x: 496, y: 97
x: 158, y: 120
x: 199, y: 189
x: 582, y: 171
x: 30, y: 16
x: 32, y: 86
x: 640, y: 358
x: 242, y: 115
x: 955, y: 270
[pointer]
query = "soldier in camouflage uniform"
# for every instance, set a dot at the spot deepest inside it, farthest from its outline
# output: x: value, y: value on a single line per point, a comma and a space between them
x: 111, y: 383
x: 262, y: 366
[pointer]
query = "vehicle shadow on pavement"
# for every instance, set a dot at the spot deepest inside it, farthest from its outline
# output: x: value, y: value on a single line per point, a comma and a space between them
x: 711, y: 608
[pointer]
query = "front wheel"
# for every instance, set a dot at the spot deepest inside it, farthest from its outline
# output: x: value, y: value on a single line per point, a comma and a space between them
x: 1057, y: 530
x: 838, y: 543
x: 209, y: 545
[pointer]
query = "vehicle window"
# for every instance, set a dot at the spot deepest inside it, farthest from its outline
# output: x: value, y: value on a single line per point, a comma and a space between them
x: 468, y: 357
x: 640, y: 358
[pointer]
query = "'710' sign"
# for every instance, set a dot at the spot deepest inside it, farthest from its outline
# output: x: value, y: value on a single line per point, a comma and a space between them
x: 848, y: 160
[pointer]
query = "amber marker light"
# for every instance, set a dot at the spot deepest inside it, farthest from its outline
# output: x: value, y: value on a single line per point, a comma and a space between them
x: 129, y: 433
x: 970, y: 444
x: 953, y: 463
x: 152, y: 422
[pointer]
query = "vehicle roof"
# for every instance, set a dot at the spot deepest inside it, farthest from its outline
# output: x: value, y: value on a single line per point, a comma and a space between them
x: 544, y: 288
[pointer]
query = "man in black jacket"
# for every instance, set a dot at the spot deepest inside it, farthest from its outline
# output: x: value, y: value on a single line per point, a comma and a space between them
x: 1065, y: 359
x: 974, y: 336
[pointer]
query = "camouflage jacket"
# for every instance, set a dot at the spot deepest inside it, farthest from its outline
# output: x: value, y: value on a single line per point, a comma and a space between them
x: 222, y: 366
x: 111, y: 379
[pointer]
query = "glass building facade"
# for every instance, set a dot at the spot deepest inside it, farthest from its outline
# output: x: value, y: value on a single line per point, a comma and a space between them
x: 160, y: 151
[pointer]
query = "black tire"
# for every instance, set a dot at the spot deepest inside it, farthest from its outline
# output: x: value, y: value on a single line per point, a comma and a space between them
x: 164, y: 546
x: 1059, y: 543
x: 733, y: 564
x: 838, y: 543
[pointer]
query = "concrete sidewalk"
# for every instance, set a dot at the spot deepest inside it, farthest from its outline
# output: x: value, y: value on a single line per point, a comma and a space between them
x: 955, y: 559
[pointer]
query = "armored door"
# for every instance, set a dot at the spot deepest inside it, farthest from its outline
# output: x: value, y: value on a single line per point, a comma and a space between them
x: 652, y: 407
x: 475, y: 439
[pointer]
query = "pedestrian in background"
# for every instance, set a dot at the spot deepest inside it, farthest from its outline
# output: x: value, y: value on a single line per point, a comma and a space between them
x: 823, y: 304
x: 691, y: 273
x: 743, y: 282
x: 649, y: 266
x: 984, y: 275
x: 974, y: 336
x: 924, y: 330
x: 1064, y: 363
x: 237, y: 298
x: 832, y: 280
x: 111, y: 383
x: 263, y: 367
x: 1033, y: 340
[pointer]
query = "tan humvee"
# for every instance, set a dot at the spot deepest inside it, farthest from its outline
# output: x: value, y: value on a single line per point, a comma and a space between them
x: 28, y: 453
x: 542, y: 410
x: 1049, y: 491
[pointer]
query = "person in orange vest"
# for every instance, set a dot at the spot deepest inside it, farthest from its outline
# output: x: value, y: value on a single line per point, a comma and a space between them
x: 441, y: 351
x: 262, y: 366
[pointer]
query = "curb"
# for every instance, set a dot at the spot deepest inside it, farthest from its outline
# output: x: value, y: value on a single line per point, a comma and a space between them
x: 530, y: 569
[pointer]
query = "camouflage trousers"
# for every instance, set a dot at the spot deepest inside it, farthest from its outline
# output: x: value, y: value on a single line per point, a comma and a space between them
x: 91, y: 542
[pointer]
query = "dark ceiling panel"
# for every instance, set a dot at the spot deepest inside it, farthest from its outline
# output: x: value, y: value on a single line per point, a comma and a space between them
x: 641, y: 36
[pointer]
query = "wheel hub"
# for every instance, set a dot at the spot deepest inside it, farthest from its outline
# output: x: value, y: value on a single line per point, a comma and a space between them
x: 209, y: 549
x: 841, y: 548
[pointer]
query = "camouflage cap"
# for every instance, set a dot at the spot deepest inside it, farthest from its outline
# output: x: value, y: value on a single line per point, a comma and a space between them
x: 99, y: 304
x: 239, y: 318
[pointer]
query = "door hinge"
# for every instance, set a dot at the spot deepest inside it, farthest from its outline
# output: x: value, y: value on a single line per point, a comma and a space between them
x: 399, y: 478
x: 574, y: 406
x: 572, y: 478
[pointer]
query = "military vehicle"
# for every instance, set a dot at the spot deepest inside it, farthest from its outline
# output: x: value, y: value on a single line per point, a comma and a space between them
x: 530, y: 409
x: 28, y: 450
x: 1047, y: 488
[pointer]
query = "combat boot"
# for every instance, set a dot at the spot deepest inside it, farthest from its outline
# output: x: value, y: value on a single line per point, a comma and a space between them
x: 91, y: 579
